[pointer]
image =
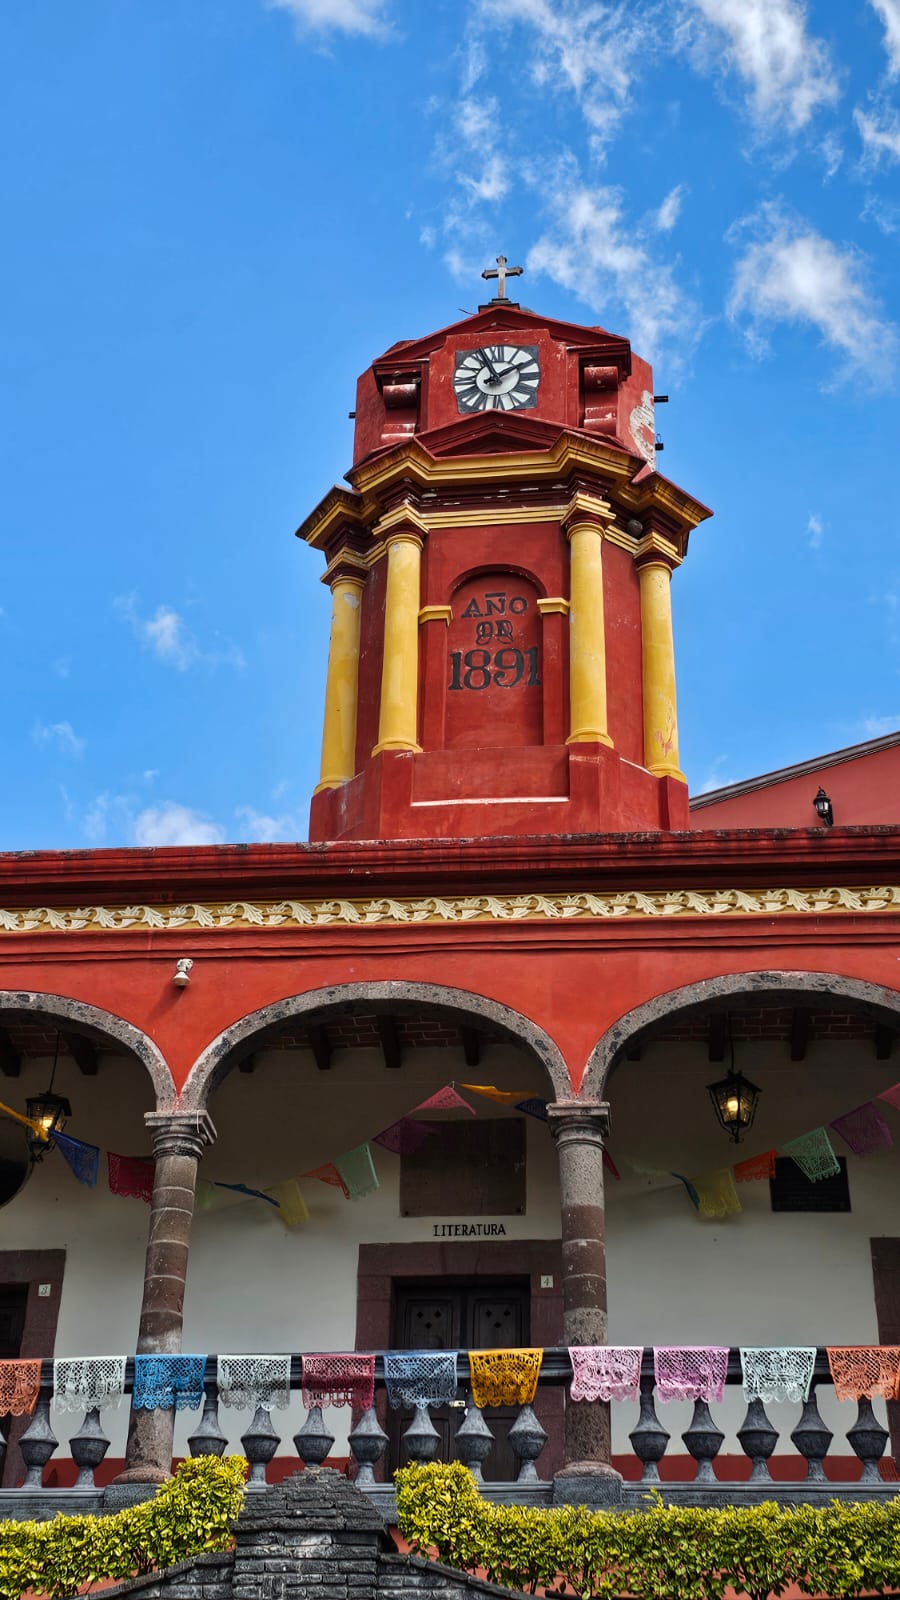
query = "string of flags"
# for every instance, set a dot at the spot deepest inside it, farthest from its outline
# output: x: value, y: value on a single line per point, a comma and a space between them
x: 864, y: 1130
x: 353, y: 1172
x: 714, y: 1194
x: 505, y: 1377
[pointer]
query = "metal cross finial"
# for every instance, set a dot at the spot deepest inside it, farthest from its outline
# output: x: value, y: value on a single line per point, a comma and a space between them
x: 501, y: 272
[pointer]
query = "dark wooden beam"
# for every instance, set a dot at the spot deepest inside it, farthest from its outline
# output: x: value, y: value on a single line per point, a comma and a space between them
x: 248, y: 1064
x: 801, y: 1020
x: 471, y: 1043
x: 10, y: 1060
x: 717, y: 1042
x: 83, y: 1053
x: 390, y: 1042
x: 320, y: 1045
x: 883, y: 1041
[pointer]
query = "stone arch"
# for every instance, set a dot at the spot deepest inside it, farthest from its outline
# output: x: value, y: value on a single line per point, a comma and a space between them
x: 29, y: 1002
x: 217, y: 1059
x: 792, y: 988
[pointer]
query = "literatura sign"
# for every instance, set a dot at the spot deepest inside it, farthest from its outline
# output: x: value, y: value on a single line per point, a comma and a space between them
x: 468, y: 1230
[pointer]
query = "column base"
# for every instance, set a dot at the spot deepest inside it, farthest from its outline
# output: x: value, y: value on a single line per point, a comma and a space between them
x: 590, y: 736
x: 331, y: 783
x: 663, y: 769
x: 139, y: 1475
x: 588, y: 1483
x: 396, y: 744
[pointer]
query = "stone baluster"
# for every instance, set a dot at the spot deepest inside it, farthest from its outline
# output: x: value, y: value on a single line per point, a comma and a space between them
x: 812, y: 1439
x: 207, y: 1438
x: 313, y: 1442
x: 649, y: 1439
x: 260, y: 1443
x: 757, y: 1439
x: 368, y: 1442
x: 88, y: 1446
x: 704, y: 1441
x: 868, y: 1440
x: 421, y: 1437
x: 474, y: 1441
x: 37, y: 1443
x: 527, y: 1438
x: 179, y: 1139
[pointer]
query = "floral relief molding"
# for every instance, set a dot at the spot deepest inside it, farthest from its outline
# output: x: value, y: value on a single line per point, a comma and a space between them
x: 627, y: 905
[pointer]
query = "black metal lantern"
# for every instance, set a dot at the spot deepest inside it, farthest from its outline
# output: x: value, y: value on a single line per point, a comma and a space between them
x: 734, y: 1101
x: 824, y: 808
x: 51, y: 1112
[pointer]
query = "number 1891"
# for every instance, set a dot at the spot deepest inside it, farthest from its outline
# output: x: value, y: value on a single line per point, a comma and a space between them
x: 478, y: 669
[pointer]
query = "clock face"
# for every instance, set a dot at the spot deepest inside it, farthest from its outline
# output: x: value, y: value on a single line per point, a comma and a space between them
x: 499, y: 377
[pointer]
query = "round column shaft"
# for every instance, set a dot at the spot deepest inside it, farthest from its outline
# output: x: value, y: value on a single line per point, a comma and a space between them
x: 587, y: 637
x: 658, y: 671
x: 398, y: 718
x: 342, y: 684
x: 179, y: 1139
x: 579, y: 1128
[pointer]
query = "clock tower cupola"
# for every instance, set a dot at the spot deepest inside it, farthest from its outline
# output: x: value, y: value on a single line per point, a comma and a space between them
x: 501, y: 657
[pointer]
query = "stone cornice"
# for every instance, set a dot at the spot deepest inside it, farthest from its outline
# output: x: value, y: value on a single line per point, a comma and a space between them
x: 581, y: 906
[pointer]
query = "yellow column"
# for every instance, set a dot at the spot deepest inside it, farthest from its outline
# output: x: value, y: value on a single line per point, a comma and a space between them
x: 660, y: 713
x: 398, y: 719
x: 342, y: 684
x: 587, y: 636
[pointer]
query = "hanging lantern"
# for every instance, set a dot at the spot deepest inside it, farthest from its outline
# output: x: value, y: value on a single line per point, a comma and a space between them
x: 734, y: 1101
x: 51, y: 1112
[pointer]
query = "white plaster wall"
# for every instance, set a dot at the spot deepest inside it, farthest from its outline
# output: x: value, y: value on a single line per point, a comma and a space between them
x: 757, y: 1278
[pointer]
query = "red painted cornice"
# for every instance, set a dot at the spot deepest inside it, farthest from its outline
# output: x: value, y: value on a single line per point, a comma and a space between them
x: 708, y: 858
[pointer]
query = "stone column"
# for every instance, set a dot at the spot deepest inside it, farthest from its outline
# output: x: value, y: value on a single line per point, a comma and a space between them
x: 579, y: 1128
x: 342, y: 682
x: 179, y: 1139
x: 655, y: 561
x: 587, y: 632
x: 398, y: 717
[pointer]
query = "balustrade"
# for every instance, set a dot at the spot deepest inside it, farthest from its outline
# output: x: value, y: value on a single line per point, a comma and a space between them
x: 758, y: 1437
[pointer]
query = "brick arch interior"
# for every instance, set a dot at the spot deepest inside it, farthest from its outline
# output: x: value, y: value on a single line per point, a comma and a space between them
x: 870, y: 1000
x: 63, y: 1012
x: 398, y: 998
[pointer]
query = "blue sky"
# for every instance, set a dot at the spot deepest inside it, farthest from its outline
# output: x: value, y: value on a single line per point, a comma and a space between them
x: 215, y: 215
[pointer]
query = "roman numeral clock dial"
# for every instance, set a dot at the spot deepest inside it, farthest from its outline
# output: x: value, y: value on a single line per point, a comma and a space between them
x: 499, y: 377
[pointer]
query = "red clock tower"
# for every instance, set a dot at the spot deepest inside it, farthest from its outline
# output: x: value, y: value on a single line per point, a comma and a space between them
x: 501, y: 657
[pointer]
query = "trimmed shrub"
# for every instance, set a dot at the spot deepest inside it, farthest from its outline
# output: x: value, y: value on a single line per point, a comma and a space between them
x: 190, y: 1512
x: 842, y: 1550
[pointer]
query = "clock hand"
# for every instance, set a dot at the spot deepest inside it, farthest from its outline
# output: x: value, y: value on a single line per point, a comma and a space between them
x: 487, y: 362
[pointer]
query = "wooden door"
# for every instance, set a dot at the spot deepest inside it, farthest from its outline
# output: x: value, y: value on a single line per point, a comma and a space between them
x: 479, y: 1314
x: 886, y: 1277
x: 12, y: 1320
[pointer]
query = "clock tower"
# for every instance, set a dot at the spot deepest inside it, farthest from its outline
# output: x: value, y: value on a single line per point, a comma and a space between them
x: 501, y: 656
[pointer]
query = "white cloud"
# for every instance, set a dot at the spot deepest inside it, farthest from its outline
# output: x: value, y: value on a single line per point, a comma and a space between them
x: 889, y: 12
x: 593, y: 49
x: 880, y: 138
x: 173, y: 824
x: 62, y: 734
x: 665, y: 218
x: 366, y: 17
x: 877, y: 727
x: 168, y: 636
x: 788, y: 70
x: 259, y: 828
x: 815, y: 531
x: 592, y: 249
x: 793, y: 274
x: 714, y: 778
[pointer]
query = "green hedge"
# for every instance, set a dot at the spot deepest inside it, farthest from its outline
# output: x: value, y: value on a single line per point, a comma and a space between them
x: 189, y: 1513
x: 663, y: 1553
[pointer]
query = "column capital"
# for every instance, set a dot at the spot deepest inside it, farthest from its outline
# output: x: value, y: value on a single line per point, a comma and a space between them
x: 348, y: 567
x: 653, y: 550
x: 587, y: 511
x: 180, y: 1133
x: 403, y: 521
x: 588, y: 1119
